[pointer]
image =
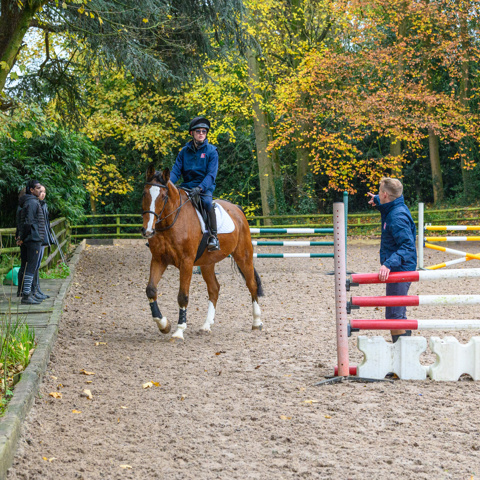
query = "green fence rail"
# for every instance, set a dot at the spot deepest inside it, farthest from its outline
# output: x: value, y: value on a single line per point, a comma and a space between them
x: 129, y: 225
x: 62, y: 231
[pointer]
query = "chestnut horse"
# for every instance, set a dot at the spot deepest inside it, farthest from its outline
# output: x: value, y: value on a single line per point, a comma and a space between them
x: 174, y: 233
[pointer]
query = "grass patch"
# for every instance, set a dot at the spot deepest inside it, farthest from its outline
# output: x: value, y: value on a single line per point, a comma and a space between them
x: 62, y: 270
x: 17, y: 343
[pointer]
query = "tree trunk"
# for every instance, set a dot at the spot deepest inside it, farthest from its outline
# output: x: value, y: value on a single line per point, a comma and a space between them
x: 464, y: 95
x: 437, y: 180
x: 262, y: 132
x: 14, y: 23
x: 303, y: 159
x: 395, y: 148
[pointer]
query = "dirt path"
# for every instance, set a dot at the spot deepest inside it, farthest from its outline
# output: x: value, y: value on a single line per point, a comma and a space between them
x: 236, y: 404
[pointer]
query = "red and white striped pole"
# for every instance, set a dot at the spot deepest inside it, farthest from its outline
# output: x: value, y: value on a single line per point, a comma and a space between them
x: 415, y: 300
x: 398, y: 277
x: 340, y: 288
x: 395, y: 324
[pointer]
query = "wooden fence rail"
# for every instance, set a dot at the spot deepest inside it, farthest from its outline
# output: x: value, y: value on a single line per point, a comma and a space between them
x: 61, y: 229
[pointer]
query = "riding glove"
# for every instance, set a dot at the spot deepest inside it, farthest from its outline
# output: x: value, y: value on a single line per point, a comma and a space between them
x: 195, y: 191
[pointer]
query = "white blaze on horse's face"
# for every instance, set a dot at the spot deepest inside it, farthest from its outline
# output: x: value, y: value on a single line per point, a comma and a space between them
x: 154, y: 193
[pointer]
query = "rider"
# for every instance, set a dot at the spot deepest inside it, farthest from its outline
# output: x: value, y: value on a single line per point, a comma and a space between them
x: 197, y: 163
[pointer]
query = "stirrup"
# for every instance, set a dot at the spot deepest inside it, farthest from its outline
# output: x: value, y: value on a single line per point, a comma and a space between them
x: 213, y: 244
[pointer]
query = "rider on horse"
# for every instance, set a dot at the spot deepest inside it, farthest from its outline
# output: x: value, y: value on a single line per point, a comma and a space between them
x: 197, y: 163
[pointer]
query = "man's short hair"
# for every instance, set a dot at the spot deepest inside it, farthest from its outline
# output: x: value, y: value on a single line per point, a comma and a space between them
x: 392, y: 186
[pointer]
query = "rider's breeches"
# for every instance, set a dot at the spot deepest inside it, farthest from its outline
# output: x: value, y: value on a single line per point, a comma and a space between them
x: 207, y: 201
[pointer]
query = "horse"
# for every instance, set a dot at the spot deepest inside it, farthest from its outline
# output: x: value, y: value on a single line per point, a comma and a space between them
x: 174, y: 233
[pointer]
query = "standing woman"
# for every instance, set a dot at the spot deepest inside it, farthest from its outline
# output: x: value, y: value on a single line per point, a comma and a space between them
x: 31, y: 233
x: 47, y: 241
x: 197, y: 164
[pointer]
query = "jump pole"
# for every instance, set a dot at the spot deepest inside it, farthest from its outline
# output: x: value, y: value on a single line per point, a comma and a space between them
x: 395, y: 324
x: 339, y: 237
x: 414, y: 300
x: 425, y: 275
x: 420, y: 235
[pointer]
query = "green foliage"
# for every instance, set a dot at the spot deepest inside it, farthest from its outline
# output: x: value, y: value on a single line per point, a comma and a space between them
x: 35, y: 148
x: 17, y: 342
x: 61, y: 270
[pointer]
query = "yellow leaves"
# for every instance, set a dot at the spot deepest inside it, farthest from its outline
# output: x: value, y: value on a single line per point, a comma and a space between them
x: 85, y: 372
x: 87, y: 394
x: 100, y: 343
x: 27, y: 134
x: 284, y: 417
x: 310, y: 402
x: 150, y: 384
x: 126, y: 467
x: 57, y: 395
x: 145, y: 20
x: 51, y: 459
x: 76, y: 411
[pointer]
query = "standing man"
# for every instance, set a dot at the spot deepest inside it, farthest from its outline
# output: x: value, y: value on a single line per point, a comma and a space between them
x: 197, y: 164
x: 398, y: 252
x: 31, y: 232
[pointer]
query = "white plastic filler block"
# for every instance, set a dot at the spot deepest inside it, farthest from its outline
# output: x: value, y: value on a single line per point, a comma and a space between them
x: 401, y: 357
x: 454, y: 359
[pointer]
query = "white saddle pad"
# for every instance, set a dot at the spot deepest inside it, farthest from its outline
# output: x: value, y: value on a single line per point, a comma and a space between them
x: 224, y: 221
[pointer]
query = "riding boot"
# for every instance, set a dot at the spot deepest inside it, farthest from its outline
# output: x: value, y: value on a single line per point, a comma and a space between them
x: 213, y: 243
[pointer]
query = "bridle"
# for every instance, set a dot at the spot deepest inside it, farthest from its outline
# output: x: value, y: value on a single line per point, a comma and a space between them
x: 158, y: 215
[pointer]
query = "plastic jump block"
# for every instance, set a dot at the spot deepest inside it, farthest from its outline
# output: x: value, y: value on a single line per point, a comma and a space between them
x: 454, y: 359
x: 401, y: 357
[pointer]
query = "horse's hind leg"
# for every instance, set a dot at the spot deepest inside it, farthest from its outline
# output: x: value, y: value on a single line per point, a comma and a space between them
x: 213, y: 287
x: 254, y: 286
x: 156, y: 272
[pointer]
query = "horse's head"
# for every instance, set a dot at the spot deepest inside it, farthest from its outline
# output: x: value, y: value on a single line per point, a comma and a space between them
x: 155, y: 197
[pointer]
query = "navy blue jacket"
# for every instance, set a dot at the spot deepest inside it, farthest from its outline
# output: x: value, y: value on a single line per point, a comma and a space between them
x: 198, y: 167
x: 397, y: 249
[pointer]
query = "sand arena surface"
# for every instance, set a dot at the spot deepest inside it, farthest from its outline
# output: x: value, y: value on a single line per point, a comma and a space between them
x: 237, y: 404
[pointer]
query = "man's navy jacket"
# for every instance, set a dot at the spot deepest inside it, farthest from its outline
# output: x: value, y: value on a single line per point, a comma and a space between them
x: 397, y: 249
x: 198, y: 167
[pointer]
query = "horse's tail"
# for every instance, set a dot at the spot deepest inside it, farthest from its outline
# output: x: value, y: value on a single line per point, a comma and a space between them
x: 258, y: 280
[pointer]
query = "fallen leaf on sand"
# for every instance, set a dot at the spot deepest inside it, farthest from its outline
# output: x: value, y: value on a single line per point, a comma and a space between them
x: 76, y: 411
x: 100, y: 343
x: 151, y: 384
x: 55, y: 394
x: 284, y: 417
x: 87, y: 393
x: 311, y: 401
x: 328, y: 416
x: 128, y: 467
x: 84, y: 372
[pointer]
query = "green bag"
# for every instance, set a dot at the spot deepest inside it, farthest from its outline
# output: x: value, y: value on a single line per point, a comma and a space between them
x: 11, y: 278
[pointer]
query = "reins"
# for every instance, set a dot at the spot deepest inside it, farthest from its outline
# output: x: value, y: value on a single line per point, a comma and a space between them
x: 158, y: 215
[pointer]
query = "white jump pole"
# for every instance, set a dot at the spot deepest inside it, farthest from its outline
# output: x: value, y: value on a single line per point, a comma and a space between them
x: 340, y: 288
x: 420, y: 235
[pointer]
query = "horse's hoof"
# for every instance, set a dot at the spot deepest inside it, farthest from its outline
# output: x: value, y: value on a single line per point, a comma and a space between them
x: 205, y: 330
x: 257, y: 327
x: 163, y: 325
x: 178, y: 335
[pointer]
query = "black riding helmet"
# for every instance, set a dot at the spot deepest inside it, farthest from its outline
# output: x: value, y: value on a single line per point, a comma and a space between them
x: 199, y: 122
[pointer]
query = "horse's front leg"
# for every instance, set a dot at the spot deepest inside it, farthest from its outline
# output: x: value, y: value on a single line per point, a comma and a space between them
x: 186, y: 271
x: 156, y: 271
